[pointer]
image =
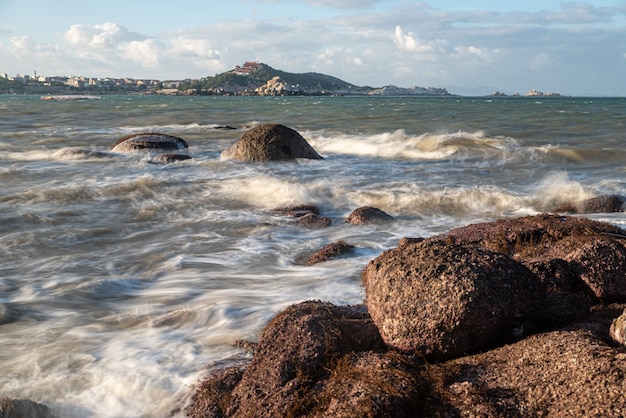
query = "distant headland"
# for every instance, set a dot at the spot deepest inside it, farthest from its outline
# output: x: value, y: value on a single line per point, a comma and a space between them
x: 249, y: 79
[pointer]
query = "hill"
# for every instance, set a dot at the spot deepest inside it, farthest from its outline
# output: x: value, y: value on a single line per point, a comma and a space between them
x: 260, y: 79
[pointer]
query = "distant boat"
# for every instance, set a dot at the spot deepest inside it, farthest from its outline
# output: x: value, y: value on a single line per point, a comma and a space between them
x: 69, y: 97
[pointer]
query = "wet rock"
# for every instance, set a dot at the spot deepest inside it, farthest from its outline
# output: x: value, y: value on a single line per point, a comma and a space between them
x: 311, y: 220
x: 295, y: 211
x: 170, y: 158
x: 368, y: 215
x: 149, y: 141
x: 333, y: 250
x: 618, y: 329
x: 570, y: 254
x: 270, y: 142
x: 298, y: 348
x: 445, y: 300
x: 9, y: 313
x: 23, y: 408
x: 601, y: 204
x: 561, y: 373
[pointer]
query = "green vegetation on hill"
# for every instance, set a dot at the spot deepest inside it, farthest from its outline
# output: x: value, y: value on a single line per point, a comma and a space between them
x: 262, y: 76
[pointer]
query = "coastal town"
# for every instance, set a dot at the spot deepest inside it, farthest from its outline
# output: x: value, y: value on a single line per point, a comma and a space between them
x: 251, y: 79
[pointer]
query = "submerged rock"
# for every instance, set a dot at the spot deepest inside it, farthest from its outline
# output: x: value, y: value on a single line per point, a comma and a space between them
x: 368, y: 215
x: 170, y: 158
x: 270, y: 142
x: 149, y: 141
x: 601, y: 204
x: 23, y: 408
x: 445, y: 300
x: 333, y: 250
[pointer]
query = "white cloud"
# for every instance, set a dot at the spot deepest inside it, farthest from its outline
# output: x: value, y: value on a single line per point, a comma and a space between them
x: 145, y: 53
x: 540, y: 61
x: 106, y: 35
x: 409, y: 42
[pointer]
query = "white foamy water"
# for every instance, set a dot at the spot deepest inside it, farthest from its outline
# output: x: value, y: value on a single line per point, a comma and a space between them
x: 124, y: 281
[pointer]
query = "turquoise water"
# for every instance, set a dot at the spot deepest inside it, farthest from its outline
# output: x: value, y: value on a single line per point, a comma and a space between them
x: 123, y: 282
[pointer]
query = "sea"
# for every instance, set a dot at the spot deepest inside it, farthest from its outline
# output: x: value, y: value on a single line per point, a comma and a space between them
x: 124, y: 281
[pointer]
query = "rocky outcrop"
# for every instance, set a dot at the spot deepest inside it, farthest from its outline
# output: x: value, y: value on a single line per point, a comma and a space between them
x: 569, y: 254
x: 152, y: 141
x: 270, y: 142
x: 366, y: 215
x: 601, y: 204
x: 297, y: 348
x: 569, y: 373
x: 451, y: 333
x: 333, y: 250
x: 446, y: 300
x: 23, y: 408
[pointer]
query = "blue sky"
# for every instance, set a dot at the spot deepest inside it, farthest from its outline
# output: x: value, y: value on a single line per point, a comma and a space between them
x: 468, y: 47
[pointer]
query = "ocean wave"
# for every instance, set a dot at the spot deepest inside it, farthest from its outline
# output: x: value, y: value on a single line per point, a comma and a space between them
x: 425, y: 147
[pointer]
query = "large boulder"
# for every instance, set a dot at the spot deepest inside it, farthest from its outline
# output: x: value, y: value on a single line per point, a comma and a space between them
x: 570, y: 254
x: 445, y: 300
x: 297, y: 348
x: 152, y: 141
x: 568, y: 373
x: 270, y: 142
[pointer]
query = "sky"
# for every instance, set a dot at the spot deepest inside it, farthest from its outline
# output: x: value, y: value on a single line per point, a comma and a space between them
x: 467, y: 47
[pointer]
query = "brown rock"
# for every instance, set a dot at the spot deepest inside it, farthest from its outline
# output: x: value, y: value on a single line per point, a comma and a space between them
x: 443, y: 300
x: 311, y: 220
x: 297, y: 348
x: 149, y: 141
x: 212, y: 396
x: 618, y: 329
x: 601, y: 204
x: 368, y: 215
x: 370, y: 384
x: 556, y: 374
x: 570, y: 254
x: 333, y: 250
x: 270, y: 142
x: 295, y: 211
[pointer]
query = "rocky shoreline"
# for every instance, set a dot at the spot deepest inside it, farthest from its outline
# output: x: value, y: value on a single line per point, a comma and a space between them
x: 511, y: 318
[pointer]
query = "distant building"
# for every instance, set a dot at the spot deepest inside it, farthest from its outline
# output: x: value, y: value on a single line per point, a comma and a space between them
x: 248, y: 68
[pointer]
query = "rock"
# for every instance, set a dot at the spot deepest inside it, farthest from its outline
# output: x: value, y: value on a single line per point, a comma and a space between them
x: 602, y: 204
x: 298, y: 348
x: 212, y: 396
x: 329, y: 251
x: 23, y: 408
x: 370, y: 384
x: 270, y: 142
x: 170, y: 158
x: 445, y: 300
x: 555, y: 374
x: 570, y: 254
x: 311, y: 220
x: 368, y: 215
x: 618, y: 329
x: 295, y: 211
x: 149, y: 141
